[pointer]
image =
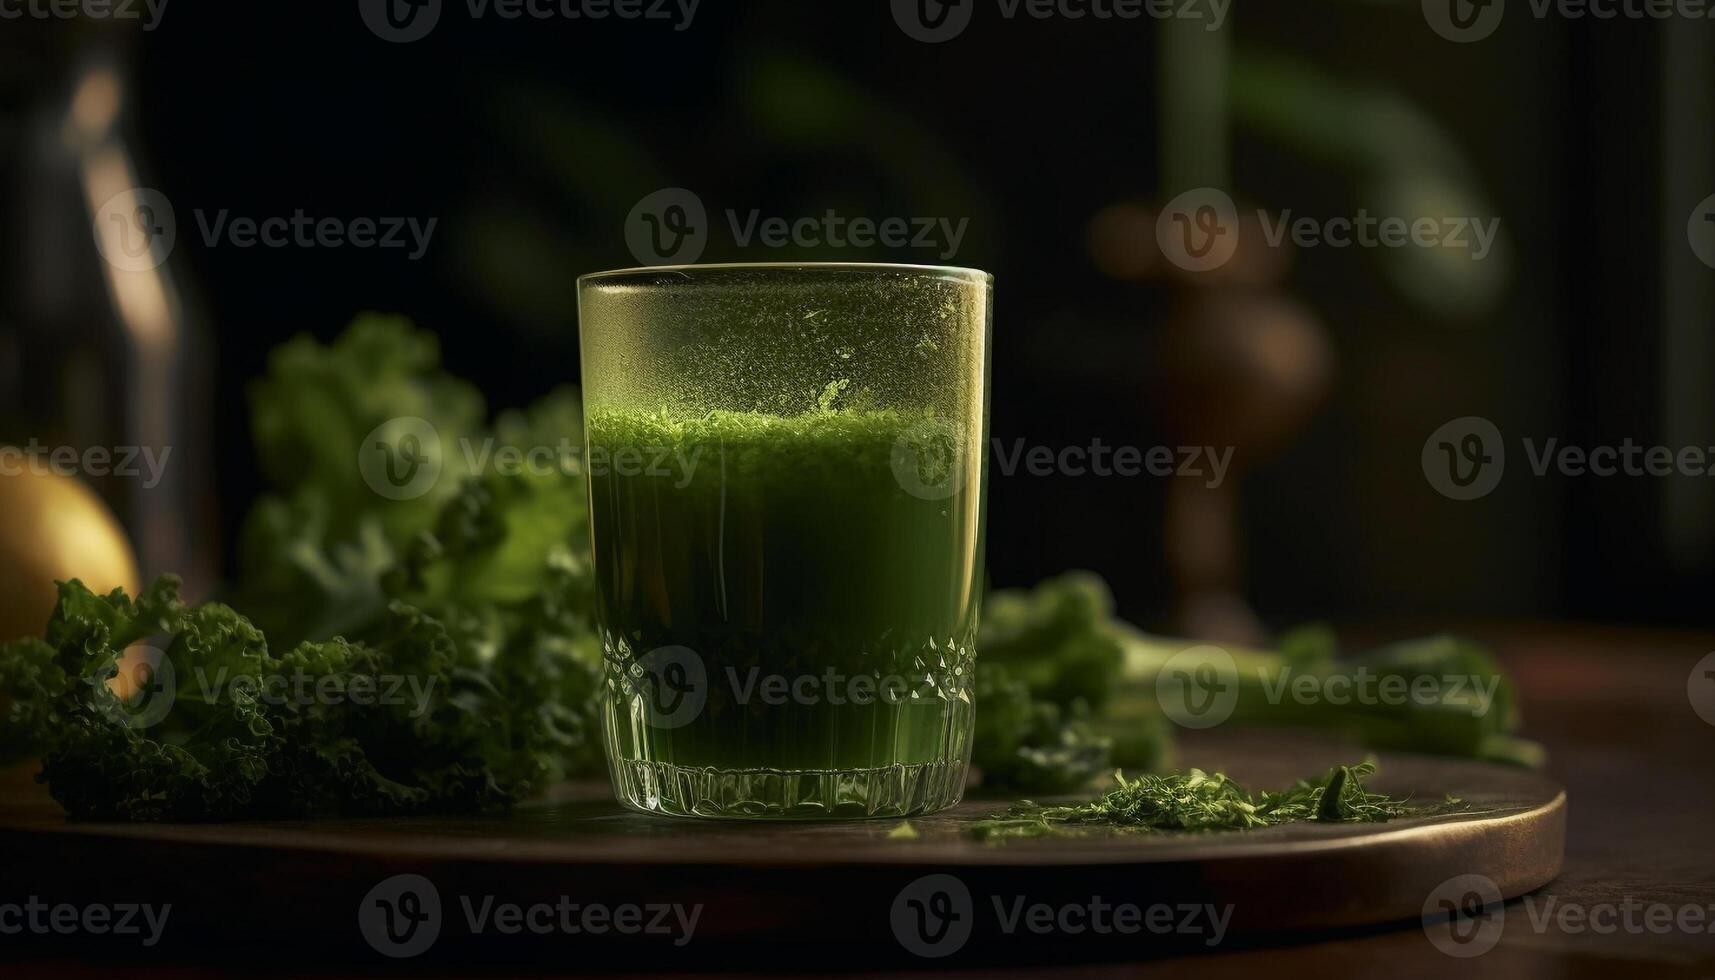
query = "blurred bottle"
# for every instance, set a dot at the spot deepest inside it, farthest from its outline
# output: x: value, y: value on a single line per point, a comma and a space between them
x: 97, y: 352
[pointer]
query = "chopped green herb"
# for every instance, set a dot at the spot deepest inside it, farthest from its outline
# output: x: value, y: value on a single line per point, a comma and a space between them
x: 1199, y: 801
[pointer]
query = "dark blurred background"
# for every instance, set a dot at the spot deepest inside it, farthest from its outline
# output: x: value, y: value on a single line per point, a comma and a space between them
x: 531, y: 141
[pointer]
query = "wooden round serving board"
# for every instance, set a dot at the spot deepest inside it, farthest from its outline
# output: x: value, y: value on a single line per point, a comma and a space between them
x: 761, y: 886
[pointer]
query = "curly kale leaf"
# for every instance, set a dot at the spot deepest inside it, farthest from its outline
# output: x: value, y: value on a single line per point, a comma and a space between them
x: 441, y: 725
x: 504, y: 533
x: 548, y: 671
x: 302, y: 583
x: 506, y: 568
x: 405, y: 720
x: 189, y: 741
x: 317, y: 403
x: 88, y: 637
x: 31, y: 685
x: 311, y: 553
x: 398, y: 724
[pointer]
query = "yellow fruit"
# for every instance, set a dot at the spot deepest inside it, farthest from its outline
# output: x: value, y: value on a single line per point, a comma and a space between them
x: 53, y: 527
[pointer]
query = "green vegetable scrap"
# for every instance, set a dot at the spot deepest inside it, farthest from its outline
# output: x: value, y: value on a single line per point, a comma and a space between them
x: 903, y: 832
x: 1199, y: 801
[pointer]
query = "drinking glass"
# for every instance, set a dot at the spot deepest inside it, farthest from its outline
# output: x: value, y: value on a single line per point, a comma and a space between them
x: 786, y: 504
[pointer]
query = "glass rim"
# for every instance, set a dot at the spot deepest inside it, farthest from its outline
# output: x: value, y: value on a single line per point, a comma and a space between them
x: 961, y: 273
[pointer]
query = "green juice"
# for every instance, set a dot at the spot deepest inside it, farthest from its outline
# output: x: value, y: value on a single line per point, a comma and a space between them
x: 788, y: 608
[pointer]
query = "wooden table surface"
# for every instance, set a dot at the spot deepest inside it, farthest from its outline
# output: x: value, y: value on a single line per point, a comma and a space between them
x: 1637, y: 893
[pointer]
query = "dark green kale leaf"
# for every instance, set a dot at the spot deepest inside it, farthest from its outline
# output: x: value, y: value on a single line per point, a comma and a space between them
x: 191, y: 743
x: 414, y: 724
